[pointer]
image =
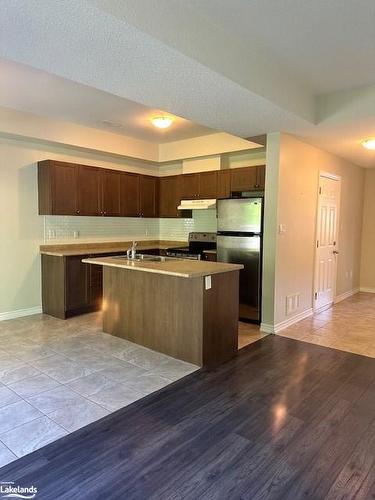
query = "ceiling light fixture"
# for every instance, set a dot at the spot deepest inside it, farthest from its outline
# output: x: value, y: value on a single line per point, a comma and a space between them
x: 369, y: 143
x: 162, y: 121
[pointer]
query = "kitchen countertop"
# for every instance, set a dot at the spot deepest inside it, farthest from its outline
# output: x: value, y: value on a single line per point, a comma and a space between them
x: 70, y: 249
x: 182, y: 268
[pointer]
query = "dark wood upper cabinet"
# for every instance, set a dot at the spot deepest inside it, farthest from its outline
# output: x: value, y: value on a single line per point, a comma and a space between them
x: 89, y: 190
x: 148, y: 193
x: 129, y: 195
x: 208, y: 185
x: 261, y: 176
x: 223, y: 184
x: 243, y: 179
x: 57, y: 188
x: 169, y: 196
x: 111, y: 191
x: 189, y: 186
x: 70, y: 189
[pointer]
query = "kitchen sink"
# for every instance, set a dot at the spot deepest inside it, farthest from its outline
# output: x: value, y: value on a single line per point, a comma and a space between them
x: 139, y: 257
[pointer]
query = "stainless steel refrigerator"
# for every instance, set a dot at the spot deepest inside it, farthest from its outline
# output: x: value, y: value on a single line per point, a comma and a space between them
x: 239, y: 240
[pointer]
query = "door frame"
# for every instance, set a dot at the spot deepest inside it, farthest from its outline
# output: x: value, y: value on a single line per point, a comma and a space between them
x: 334, y: 177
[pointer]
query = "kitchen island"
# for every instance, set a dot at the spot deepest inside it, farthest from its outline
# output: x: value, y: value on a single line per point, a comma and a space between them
x: 186, y: 309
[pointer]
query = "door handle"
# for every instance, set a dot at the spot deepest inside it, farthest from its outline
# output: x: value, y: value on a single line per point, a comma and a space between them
x: 335, y: 252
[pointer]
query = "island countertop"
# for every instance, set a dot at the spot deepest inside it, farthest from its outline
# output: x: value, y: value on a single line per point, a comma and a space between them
x: 182, y: 268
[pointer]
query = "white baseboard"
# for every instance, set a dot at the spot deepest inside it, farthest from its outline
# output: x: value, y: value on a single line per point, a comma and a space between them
x: 266, y: 328
x: 346, y: 295
x: 367, y: 290
x: 19, y: 313
x: 295, y: 319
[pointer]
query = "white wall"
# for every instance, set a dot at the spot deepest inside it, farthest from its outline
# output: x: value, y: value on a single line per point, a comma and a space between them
x: 205, y: 145
x: 201, y: 164
x: 29, y: 126
x: 368, y: 234
x: 270, y: 229
x: 247, y: 159
x: 296, y: 185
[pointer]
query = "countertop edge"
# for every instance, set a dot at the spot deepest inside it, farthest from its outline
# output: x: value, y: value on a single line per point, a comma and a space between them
x: 236, y: 267
x: 143, y: 245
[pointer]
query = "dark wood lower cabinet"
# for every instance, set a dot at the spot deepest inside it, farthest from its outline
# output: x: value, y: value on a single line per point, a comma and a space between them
x: 70, y: 287
x: 77, y: 284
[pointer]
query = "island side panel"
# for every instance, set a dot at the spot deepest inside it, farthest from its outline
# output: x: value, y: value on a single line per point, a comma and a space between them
x: 162, y: 312
x: 53, y: 286
x: 220, y: 319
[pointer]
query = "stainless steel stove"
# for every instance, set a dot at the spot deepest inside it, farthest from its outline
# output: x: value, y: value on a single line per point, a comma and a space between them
x: 198, y: 243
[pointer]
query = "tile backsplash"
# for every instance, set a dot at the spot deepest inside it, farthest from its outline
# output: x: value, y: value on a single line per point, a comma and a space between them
x: 179, y: 229
x: 74, y: 229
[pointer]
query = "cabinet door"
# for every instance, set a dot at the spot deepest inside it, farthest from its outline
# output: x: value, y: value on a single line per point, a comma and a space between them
x: 95, y: 286
x: 64, y: 189
x: 168, y: 196
x: 208, y: 185
x: 110, y: 193
x: 89, y: 190
x: 77, y: 283
x: 189, y: 186
x: 261, y: 176
x: 243, y: 179
x: 129, y: 195
x: 148, y: 196
x: 223, y: 184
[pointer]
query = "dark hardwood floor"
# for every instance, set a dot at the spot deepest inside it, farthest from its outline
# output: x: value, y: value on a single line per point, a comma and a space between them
x: 285, y: 419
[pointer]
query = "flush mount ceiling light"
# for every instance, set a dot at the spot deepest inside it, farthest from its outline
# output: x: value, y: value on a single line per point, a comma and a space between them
x: 369, y: 143
x: 161, y: 121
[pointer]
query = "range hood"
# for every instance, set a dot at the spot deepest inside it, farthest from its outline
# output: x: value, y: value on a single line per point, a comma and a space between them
x: 197, y: 204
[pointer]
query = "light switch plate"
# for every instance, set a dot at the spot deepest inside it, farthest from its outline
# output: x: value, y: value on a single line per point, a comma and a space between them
x: 207, y: 282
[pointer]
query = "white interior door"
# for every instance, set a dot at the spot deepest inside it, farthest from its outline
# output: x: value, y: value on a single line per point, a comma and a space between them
x: 326, y: 244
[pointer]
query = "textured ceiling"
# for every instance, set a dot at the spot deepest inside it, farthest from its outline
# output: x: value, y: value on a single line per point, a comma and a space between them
x: 328, y: 44
x: 34, y: 91
x: 244, y: 67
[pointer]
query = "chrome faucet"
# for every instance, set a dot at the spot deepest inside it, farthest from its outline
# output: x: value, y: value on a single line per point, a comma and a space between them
x: 130, y: 253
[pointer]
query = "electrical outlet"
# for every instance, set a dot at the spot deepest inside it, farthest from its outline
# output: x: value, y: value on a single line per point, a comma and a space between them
x: 207, y: 282
x: 292, y: 303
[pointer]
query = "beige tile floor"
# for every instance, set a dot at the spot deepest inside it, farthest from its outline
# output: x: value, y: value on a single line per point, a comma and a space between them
x: 57, y: 376
x: 248, y: 333
x: 347, y: 326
